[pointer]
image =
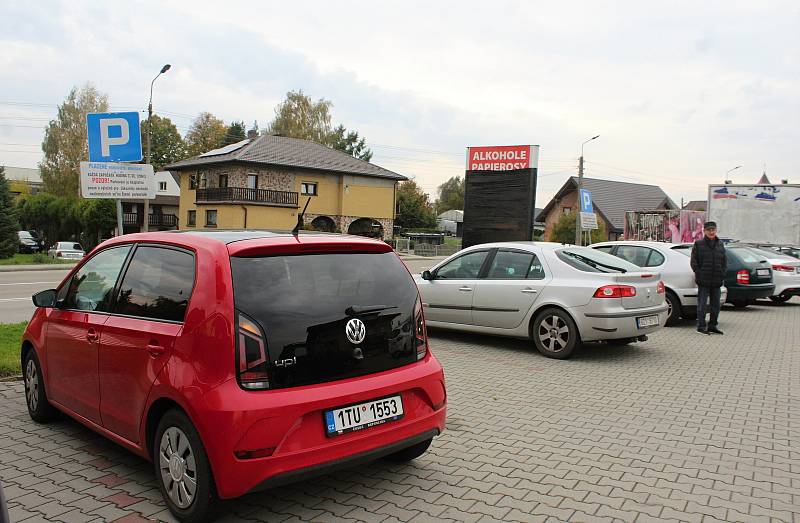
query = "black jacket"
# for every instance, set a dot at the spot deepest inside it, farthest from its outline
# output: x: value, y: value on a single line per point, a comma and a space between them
x: 709, y: 262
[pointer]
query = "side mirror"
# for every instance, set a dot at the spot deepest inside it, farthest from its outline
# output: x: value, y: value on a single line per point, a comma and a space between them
x: 426, y: 275
x: 45, y: 298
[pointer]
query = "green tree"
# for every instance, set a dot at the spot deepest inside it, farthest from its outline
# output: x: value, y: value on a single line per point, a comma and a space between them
x: 451, y: 195
x: 348, y: 141
x: 414, y: 208
x: 9, y: 242
x: 564, y: 230
x: 300, y: 117
x: 97, y: 217
x: 235, y: 133
x: 166, y: 146
x: 206, y: 133
x: 64, y: 144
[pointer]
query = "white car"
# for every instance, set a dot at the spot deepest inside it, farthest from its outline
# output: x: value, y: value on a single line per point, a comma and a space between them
x: 557, y: 295
x: 785, y: 274
x: 66, y: 251
x: 673, y: 262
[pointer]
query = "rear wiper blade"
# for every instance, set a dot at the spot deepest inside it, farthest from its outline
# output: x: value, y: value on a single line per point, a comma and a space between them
x: 364, y: 309
x: 594, y: 263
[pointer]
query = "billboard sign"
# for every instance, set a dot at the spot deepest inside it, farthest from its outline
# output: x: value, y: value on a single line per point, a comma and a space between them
x: 756, y: 213
x: 117, y: 180
x: 114, y: 137
x: 502, y: 157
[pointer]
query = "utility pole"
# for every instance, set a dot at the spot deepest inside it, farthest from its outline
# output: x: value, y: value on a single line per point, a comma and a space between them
x: 146, y: 220
x: 578, y: 194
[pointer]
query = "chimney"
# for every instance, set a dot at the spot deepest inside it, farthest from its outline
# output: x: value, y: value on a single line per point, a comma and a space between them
x: 252, y: 134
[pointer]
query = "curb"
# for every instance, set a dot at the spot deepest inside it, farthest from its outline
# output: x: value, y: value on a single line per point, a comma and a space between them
x: 11, y: 379
x: 37, y: 267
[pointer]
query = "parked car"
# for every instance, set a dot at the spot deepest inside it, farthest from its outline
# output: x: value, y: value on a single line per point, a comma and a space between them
x: 66, y: 251
x: 787, y: 250
x: 263, y: 357
x: 554, y: 294
x: 29, y: 242
x: 785, y: 274
x: 749, y: 275
x: 674, y: 266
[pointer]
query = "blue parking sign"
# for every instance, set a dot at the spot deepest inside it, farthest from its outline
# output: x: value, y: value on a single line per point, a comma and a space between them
x: 114, y: 137
x: 586, y: 201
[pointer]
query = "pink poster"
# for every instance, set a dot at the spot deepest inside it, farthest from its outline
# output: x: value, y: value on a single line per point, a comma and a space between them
x: 692, y: 225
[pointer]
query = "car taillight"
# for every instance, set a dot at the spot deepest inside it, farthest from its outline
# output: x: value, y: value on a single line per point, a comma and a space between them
x: 420, y: 334
x: 252, y: 361
x: 743, y: 276
x: 660, y: 288
x: 615, y: 291
x: 58, y: 254
x: 783, y: 268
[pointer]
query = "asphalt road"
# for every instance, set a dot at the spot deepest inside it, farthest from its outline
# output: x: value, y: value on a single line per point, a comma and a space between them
x: 16, y: 289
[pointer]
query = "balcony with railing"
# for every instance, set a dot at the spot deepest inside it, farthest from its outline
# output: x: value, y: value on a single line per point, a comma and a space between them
x: 245, y: 195
x: 156, y: 219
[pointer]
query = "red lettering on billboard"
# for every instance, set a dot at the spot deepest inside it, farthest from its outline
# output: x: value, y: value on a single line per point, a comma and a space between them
x: 502, y: 157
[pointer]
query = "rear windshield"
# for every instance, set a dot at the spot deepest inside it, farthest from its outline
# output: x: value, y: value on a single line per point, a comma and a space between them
x: 775, y: 255
x: 746, y: 255
x: 591, y: 260
x: 24, y: 234
x: 69, y: 246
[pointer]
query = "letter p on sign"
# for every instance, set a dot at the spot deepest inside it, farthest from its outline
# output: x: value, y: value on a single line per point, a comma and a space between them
x: 114, y: 137
x: 586, y: 201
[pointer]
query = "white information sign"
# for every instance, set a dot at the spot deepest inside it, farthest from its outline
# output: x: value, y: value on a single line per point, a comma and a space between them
x: 133, y: 181
x: 588, y: 220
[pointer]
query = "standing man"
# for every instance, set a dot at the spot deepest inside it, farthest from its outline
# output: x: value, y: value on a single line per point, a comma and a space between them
x: 709, y: 264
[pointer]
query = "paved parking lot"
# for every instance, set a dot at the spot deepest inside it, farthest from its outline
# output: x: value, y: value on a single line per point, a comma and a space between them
x: 684, y: 427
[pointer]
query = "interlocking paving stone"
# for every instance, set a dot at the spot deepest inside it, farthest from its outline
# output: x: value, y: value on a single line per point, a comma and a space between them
x: 683, y: 427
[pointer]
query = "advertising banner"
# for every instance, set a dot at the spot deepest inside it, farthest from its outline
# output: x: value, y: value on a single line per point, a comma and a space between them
x: 502, y: 157
x: 670, y: 225
x: 756, y: 213
x: 117, y: 180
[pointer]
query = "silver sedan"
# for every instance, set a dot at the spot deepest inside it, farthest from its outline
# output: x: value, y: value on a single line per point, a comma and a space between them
x: 66, y: 251
x: 557, y: 295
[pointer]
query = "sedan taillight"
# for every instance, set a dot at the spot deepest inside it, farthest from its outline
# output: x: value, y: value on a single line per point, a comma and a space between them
x: 743, y: 277
x: 660, y: 288
x: 615, y: 291
x: 783, y: 268
x: 252, y: 362
x: 59, y: 254
x: 420, y: 334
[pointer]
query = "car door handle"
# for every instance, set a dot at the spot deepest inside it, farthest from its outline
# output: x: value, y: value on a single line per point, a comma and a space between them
x: 529, y: 291
x: 92, y: 336
x: 465, y: 289
x: 155, y: 349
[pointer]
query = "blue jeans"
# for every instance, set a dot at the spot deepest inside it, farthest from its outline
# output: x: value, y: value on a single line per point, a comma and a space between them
x: 704, y: 296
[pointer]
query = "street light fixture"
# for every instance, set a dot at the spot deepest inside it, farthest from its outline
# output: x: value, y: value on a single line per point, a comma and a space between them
x: 727, y: 180
x: 146, y: 220
x: 580, y: 186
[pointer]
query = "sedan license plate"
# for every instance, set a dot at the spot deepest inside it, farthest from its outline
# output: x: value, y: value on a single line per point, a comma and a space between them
x: 363, y: 415
x: 647, y: 321
x: 763, y: 272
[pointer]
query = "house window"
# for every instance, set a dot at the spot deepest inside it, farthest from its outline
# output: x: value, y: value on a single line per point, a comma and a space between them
x: 308, y: 188
x: 211, y: 218
x: 567, y: 210
x: 223, y: 180
x: 203, y: 181
x: 192, y: 181
x: 252, y: 181
x: 162, y: 186
x: 191, y: 218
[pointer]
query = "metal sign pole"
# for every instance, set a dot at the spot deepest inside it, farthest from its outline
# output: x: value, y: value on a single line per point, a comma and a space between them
x: 119, y: 218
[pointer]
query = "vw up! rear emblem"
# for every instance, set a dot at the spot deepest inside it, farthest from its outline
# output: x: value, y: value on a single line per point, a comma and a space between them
x: 355, y: 331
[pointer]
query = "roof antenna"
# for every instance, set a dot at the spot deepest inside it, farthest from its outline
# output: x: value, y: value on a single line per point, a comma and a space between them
x: 297, y: 227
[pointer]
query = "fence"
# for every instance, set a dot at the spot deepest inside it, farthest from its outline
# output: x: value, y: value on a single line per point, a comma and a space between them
x: 409, y: 246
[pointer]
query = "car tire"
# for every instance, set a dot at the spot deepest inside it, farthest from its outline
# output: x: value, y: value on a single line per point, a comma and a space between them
x: 410, y: 453
x: 740, y: 304
x: 780, y: 299
x: 675, y: 311
x: 39, y: 407
x: 548, y: 330
x: 178, y: 452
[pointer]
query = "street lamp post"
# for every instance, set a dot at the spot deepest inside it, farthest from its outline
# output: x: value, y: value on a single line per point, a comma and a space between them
x: 727, y: 181
x: 580, y: 186
x: 146, y: 220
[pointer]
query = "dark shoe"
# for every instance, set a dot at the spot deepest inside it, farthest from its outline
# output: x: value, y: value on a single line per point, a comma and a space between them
x: 701, y: 330
x: 715, y: 330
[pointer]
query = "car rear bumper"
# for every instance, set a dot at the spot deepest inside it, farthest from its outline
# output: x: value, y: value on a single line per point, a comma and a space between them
x: 597, y: 325
x: 289, y: 423
x: 750, y: 292
x: 790, y: 288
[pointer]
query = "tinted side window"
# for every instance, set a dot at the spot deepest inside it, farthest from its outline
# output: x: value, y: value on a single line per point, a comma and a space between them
x: 466, y: 267
x: 515, y: 265
x: 92, y: 286
x: 157, y: 284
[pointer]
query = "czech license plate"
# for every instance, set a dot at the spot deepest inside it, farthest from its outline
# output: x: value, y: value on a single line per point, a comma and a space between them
x: 363, y: 415
x: 763, y: 272
x: 647, y: 321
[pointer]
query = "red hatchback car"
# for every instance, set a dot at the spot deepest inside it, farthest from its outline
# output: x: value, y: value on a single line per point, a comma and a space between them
x: 238, y: 360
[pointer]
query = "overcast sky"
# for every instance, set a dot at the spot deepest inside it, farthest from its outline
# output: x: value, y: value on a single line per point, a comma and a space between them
x: 679, y: 92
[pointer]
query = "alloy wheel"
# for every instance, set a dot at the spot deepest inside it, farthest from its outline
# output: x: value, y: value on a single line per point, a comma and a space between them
x: 31, y: 385
x: 553, y: 333
x: 178, y: 467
